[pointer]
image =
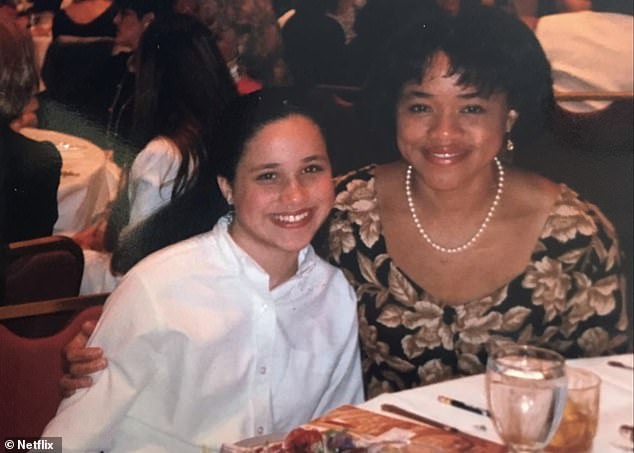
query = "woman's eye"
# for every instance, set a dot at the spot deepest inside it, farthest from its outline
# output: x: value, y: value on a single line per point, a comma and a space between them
x: 473, y: 109
x: 418, y: 108
x: 313, y: 169
x: 266, y: 177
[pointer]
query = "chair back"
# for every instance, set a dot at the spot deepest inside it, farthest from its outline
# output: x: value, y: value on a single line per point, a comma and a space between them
x: 44, y: 268
x: 45, y: 318
x: 30, y: 370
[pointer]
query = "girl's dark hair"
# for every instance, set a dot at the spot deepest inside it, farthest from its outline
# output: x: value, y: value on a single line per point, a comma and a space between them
x: 198, y: 208
x: 182, y: 86
x: 244, y: 117
x: 489, y: 50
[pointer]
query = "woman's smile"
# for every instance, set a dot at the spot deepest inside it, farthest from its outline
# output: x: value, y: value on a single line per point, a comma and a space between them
x: 297, y: 219
x: 441, y: 156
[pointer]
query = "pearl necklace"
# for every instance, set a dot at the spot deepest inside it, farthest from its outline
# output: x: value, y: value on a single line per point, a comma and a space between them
x: 483, y: 225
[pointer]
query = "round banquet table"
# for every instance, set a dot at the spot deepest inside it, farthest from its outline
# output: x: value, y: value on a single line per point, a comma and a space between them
x: 88, y: 182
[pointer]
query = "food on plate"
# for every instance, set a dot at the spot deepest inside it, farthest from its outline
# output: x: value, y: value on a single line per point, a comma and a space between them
x: 304, y: 440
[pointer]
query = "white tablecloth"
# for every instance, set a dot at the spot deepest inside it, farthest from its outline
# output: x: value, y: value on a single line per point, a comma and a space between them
x: 88, y: 182
x: 616, y: 406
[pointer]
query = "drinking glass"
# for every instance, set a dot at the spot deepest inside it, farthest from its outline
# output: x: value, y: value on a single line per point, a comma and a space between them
x: 581, y: 416
x: 526, y: 392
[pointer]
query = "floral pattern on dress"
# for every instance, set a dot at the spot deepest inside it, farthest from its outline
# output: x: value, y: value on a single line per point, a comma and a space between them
x: 569, y: 298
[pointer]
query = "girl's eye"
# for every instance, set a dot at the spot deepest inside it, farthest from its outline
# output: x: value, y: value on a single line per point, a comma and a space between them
x: 473, y: 109
x: 266, y: 177
x: 313, y: 169
x: 418, y: 108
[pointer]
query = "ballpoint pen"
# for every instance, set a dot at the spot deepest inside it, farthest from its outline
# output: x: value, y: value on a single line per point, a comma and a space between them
x: 465, y: 406
x: 419, y: 418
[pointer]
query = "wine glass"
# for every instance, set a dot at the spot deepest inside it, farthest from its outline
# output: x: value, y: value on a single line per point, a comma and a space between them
x: 526, y: 391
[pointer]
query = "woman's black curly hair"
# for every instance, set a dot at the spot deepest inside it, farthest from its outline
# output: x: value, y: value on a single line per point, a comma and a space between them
x: 489, y: 50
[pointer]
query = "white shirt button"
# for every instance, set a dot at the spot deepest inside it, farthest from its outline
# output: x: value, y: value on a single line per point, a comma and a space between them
x: 260, y: 430
x: 262, y: 370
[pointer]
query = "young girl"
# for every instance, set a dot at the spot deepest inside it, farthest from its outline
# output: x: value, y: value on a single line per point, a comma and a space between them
x: 236, y: 332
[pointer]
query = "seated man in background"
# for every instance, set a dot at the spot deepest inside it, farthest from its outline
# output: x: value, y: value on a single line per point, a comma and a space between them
x: 590, y: 50
x: 31, y: 169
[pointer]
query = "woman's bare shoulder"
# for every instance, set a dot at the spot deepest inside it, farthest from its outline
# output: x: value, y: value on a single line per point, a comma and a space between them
x: 389, y: 176
x: 531, y: 192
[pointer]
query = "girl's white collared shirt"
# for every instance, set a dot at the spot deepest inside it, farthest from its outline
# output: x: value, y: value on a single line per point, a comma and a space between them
x: 201, y: 352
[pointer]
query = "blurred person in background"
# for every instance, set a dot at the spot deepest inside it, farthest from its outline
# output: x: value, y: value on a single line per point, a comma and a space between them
x: 229, y: 45
x: 9, y: 11
x: 314, y: 45
x: 85, y: 18
x: 259, y: 40
x: 133, y: 17
x: 248, y: 37
x: 89, y: 85
x: 375, y: 23
x: 31, y: 169
x: 175, y: 108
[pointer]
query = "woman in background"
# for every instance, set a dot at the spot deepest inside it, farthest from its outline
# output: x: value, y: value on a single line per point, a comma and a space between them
x: 182, y: 85
x: 31, y: 169
x: 86, y: 19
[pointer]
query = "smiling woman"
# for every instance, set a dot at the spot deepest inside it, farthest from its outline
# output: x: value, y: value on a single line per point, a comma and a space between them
x: 450, y: 247
x: 243, y: 327
x: 280, y: 199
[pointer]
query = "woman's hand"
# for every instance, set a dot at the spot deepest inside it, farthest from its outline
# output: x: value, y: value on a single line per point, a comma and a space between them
x: 82, y: 361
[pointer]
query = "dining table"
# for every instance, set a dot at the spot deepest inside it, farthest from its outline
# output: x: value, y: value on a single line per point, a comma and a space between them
x: 616, y: 406
x: 88, y: 183
x: 427, y: 424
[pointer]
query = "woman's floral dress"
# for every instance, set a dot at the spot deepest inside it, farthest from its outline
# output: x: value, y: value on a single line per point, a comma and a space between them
x: 569, y: 298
